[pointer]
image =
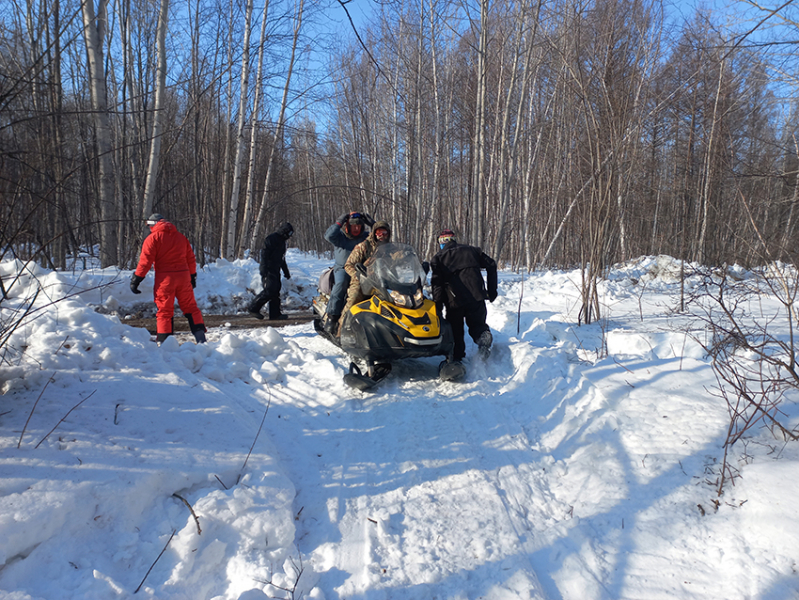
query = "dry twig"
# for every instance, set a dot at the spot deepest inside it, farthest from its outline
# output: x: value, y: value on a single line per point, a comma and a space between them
x: 155, y: 561
x: 268, y: 402
x: 19, y: 443
x: 298, y: 571
x: 62, y: 419
x: 191, y: 510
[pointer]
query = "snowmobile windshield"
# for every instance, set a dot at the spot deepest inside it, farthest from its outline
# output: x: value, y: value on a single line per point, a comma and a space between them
x: 397, y: 267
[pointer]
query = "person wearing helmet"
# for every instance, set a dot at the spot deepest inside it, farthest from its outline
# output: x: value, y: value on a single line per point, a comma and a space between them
x: 457, y: 284
x: 273, y: 260
x: 347, y: 232
x: 170, y: 253
x: 381, y: 234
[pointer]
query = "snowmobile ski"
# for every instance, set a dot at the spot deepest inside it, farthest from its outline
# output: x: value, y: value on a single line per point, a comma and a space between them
x: 356, y: 379
x: 451, y: 371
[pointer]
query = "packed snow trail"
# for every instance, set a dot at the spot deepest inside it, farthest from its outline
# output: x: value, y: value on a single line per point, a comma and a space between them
x: 577, y: 463
x: 433, y: 485
x: 389, y: 525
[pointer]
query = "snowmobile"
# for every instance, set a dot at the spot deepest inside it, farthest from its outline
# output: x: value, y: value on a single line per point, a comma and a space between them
x: 395, y: 321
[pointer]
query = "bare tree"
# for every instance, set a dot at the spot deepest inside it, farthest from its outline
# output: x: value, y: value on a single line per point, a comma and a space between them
x: 159, y: 114
x: 279, y: 125
x: 233, y: 215
x: 94, y: 29
x: 248, y: 200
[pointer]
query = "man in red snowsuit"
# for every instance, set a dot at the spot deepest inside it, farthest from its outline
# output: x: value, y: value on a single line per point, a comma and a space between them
x: 175, y: 277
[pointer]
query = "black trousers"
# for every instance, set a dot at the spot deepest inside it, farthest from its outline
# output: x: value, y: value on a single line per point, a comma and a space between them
x: 474, y: 315
x: 270, y: 294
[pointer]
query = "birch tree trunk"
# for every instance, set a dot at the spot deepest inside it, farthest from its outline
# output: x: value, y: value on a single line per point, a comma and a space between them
x: 159, y: 112
x: 787, y: 248
x: 510, y: 150
x: 248, y: 200
x: 233, y: 215
x: 415, y: 174
x: 478, y: 149
x: 256, y: 230
x: 705, y: 199
x: 395, y: 149
x: 226, y: 137
x: 427, y: 245
x: 94, y: 27
x: 63, y: 224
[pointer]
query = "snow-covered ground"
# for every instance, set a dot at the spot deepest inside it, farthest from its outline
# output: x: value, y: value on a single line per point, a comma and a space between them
x: 244, y: 468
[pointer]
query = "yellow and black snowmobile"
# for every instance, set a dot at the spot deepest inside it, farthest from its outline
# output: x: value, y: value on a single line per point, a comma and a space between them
x: 395, y: 321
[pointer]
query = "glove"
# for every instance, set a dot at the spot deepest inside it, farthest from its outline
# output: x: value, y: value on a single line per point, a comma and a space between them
x: 194, y: 280
x: 135, y: 280
x: 368, y: 219
x: 492, y: 296
x: 342, y: 219
x: 288, y: 275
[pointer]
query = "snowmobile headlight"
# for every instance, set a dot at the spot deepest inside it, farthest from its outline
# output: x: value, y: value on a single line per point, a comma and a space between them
x: 418, y: 298
x: 399, y: 299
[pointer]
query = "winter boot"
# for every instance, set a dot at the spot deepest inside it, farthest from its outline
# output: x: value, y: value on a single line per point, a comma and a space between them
x: 198, y: 329
x: 451, y: 370
x: 331, y: 324
x: 275, y: 314
x: 484, y: 344
x: 255, y: 313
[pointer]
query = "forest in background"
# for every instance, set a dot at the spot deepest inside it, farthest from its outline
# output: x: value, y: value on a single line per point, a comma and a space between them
x: 551, y: 133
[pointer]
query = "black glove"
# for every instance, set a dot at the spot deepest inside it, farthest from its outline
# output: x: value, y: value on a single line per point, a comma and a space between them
x: 343, y: 219
x: 135, y: 280
x: 368, y: 219
x: 288, y: 275
x: 194, y: 280
x: 492, y: 295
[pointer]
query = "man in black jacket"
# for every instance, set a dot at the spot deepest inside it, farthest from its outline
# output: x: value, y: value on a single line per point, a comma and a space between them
x: 273, y: 259
x: 458, y: 285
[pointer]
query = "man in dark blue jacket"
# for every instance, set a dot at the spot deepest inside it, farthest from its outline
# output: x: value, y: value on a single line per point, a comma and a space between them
x: 458, y: 285
x: 273, y: 260
x: 347, y: 232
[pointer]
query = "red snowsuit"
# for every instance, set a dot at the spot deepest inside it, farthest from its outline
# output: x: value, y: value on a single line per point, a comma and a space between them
x: 175, y: 263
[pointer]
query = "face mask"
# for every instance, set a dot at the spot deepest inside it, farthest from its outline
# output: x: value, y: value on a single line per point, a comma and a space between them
x: 441, y: 246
